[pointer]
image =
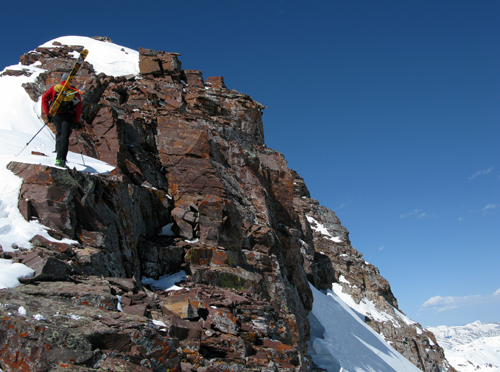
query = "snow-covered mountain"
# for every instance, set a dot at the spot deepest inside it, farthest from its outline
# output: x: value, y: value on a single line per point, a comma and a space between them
x: 473, y: 347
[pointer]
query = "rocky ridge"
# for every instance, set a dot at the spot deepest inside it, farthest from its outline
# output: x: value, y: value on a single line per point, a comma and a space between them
x: 191, y: 153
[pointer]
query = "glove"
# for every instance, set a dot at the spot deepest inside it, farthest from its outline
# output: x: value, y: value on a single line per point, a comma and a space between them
x: 49, y: 119
x: 77, y: 125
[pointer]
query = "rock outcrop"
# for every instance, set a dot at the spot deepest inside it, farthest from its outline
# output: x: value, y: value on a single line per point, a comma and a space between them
x: 191, y: 153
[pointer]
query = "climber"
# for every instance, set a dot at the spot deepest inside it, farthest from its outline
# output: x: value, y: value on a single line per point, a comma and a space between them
x: 67, y: 116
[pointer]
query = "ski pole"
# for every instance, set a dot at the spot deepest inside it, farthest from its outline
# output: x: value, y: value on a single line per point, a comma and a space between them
x: 32, y: 139
x: 78, y: 143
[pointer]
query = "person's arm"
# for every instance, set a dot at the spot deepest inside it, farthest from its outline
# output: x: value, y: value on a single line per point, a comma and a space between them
x: 47, y: 98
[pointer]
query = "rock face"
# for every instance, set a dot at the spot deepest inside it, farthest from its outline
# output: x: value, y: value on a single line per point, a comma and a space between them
x: 363, y: 282
x: 188, y: 152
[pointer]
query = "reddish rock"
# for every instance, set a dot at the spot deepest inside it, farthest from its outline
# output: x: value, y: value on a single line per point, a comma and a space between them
x: 193, y: 156
x: 216, y: 82
x: 158, y: 63
x: 64, y: 248
x: 130, y: 170
x: 194, y: 78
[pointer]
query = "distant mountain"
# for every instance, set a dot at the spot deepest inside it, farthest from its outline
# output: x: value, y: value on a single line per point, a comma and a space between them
x: 473, y: 347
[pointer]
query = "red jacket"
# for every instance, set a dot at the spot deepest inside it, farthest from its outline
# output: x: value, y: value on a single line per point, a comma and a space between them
x: 50, y: 96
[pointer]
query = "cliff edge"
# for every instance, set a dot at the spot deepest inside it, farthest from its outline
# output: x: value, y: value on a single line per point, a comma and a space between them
x: 195, y: 192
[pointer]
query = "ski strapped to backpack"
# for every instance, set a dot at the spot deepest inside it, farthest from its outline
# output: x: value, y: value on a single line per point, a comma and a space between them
x: 70, y: 98
x: 64, y: 89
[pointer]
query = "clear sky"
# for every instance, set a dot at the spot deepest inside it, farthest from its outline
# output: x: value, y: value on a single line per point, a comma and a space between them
x: 389, y: 110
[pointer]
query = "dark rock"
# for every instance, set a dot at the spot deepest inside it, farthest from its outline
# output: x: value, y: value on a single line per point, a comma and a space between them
x: 96, y: 210
x: 69, y: 324
x: 23, y: 72
x: 102, y: 38
x: 185, y: 218
x: 46, y: 267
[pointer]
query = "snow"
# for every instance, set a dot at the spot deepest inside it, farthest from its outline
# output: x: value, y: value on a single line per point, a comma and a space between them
x: 39, y: 317
x: 318, y: 227
x: 341, y: 341
x: 167, y: 230
x: 109, y: 58
x: 159, y: 323
x: 473, y: 347
x: 119, y: 304
x: 10, y: 272
x: 20, y: 122
x: 22, y: 311
x: 364, y: 308
x: 342, y: 279
x: 368, y: 308
x: 166, y: 282
x: 407, y: 320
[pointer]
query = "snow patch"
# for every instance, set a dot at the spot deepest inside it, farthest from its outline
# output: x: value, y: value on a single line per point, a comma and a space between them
x: 364, y: 308
x: 318, y: 227
x: 166, y: 282
x: 10, y: 272
x: 119, y: 304
x: 341, y: 341
x: 159, y: 323
x: 342, y: 279
x: 405, y: 319
x: 109, y: 58
x: 39, y: 317
x: 167, y: 230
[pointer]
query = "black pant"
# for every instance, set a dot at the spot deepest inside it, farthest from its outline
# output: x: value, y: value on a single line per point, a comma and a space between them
x: 64, y: 125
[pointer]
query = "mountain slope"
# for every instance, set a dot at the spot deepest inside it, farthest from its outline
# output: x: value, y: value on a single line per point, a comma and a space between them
x: 162, y: 149
x: 473, y: 347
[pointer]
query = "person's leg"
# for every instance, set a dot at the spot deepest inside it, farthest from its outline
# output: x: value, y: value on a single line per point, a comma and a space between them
x: 66, y: 130
x: 63, y: 124
x: 57, y: 120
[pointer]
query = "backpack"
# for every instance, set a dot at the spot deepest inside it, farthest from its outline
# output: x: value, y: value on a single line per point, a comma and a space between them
x: 70, y: 99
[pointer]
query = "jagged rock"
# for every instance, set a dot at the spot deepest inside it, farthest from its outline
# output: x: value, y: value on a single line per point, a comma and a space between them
x: 108, y: 218
x: 23, y: 72
x: 362, y: 281
x: 253, y: 242
x: 186, y: 219
x: 194, y: 78
x: 77, y: 324
x: 216, y: 82
x: 157, y: 64
x: 63, y: 248
x: 46, y: 267
x: 102, y: 38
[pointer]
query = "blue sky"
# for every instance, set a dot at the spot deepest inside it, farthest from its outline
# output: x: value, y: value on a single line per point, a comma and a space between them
x: 389, y: 110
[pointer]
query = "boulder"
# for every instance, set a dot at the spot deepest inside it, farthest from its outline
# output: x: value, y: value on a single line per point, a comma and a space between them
x: 46, y: 267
